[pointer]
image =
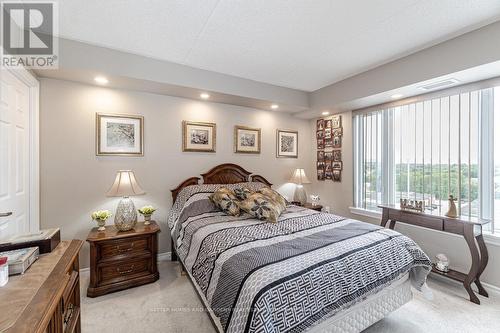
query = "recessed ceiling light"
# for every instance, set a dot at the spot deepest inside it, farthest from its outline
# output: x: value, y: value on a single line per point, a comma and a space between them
x: 396, y: 96
x: 101, y: 80
x: 274, y: 106
x: 325, y: 113
x: 204, y: 95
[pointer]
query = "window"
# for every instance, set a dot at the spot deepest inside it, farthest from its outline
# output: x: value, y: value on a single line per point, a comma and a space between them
x: 430, y: 148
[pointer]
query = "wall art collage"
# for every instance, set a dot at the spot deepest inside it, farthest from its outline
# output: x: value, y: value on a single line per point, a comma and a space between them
x: 329, y: 144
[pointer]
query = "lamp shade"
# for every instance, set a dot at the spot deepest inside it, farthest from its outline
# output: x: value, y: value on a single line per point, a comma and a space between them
x: 299, y: 177
x: 125, y: 185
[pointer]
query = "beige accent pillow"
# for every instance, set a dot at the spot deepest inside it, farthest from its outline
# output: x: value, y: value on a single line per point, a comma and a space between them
x: 262, y: 207
x: 242, y: 193
x: 278, y: 198
x: 225, y: 199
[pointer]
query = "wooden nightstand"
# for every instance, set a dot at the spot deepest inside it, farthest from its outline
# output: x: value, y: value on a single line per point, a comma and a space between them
x: 310, y: 206
x: 122, y: 259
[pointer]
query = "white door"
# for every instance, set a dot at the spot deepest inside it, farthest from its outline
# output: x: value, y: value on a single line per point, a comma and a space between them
x: 14, y: 155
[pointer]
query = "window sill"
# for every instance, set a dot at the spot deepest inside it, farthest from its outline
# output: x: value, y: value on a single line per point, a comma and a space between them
x: 489, y: 238
x: 365, y: 212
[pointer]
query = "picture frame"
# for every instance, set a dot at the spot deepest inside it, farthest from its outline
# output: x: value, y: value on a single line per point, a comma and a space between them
x: 119, y: 135
x: 337, y: 131
x: 320, y: 124
x: 336, y: 175
x: 328, y: 170
x: 247, y: 140
x: 329, y: 156
x: 337, y: 155
x: 337, y: 165
x: 320, y: 170
x: 336, y: 142
x: 198, y: 136
x: 320, y: 155
x: 336, y: 121
x: 287, y: 143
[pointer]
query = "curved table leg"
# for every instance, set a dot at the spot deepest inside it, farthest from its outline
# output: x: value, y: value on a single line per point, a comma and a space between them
x: 385, y: 218
x: 484, y: 261
x: 392, y: 224
x: 474, y: 269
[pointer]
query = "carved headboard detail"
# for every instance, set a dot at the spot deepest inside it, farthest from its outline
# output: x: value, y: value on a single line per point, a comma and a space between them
x: 227, y: 173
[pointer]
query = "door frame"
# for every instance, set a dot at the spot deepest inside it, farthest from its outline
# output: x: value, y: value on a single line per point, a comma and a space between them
x: 28, y: 78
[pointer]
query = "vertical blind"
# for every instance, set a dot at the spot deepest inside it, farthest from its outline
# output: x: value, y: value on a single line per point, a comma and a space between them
x: 429, y: 149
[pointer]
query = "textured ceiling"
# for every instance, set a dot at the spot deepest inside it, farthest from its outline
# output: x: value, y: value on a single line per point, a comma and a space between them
x: 302, y: 44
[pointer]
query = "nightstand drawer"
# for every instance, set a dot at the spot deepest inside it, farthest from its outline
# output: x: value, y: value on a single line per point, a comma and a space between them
x: 124, y: 271
x: 124, y: 247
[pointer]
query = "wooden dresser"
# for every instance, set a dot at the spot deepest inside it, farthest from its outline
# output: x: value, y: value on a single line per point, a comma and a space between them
x: 122, y: 259
x: 47, y: 297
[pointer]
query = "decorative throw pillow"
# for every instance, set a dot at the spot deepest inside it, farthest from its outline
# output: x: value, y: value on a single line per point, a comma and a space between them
x: 261, y: 207
x: 277, y: 198
x: 226, y: 200
x: 242, y: 193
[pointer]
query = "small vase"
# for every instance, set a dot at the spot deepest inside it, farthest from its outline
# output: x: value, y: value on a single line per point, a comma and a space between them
x: 101, y: 224
x: 147, y: 219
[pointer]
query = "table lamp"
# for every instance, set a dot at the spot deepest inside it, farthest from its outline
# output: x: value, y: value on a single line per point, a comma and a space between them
x: 125, y: 185
x: 299, y: 177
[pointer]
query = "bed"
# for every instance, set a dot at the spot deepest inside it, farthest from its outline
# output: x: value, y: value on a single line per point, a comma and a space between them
x: 310, y: 271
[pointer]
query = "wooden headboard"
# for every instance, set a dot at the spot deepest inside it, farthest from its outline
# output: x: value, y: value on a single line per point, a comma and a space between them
x: 227, y: 173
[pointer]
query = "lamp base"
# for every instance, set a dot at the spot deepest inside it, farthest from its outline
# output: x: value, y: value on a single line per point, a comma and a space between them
x: 126, y: 215
x: 300, y: 195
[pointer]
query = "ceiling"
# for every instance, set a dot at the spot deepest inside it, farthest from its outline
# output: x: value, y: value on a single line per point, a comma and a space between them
x: 299, y: 44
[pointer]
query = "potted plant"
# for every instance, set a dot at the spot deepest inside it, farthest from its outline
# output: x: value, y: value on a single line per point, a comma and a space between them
x: 147, y: 211
x: 100, y: 217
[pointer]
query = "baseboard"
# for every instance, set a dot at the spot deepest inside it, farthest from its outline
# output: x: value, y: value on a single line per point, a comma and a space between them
x: 165, y: 256
x: 491, y: 289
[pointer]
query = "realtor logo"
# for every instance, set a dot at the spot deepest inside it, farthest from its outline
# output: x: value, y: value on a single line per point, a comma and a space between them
x: 28, y: 30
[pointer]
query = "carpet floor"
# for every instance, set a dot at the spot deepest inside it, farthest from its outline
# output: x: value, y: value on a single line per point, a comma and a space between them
x: 172, y: 305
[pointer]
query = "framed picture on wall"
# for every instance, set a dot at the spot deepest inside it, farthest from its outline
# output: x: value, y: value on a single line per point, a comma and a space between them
x: 337, y: 155
x: 320, y: 155
x: 198, y: 137
x: 337, y: 175
x: 246, y: 140
x: 337, y: 142
x: 337, y: 165
x: 287, y: 143
x: 336, y: 121
x: 320, y: 124
x: 119, y: 135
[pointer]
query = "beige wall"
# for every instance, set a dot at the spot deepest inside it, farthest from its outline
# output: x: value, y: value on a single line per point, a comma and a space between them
x: 339, y: 196
x: 74, y: 181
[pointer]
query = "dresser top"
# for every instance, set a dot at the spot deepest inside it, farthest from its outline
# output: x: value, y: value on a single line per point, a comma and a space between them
x: 460, y: 219
x: 26, y: 298
x: 112, y: 233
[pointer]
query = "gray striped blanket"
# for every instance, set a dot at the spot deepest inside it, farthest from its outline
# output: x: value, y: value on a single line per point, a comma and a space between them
x: 290, y: 275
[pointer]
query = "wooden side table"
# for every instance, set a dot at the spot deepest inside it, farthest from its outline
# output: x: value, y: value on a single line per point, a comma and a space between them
x: 122, y: 259
x: 309, y: 205
x: 470, y: 229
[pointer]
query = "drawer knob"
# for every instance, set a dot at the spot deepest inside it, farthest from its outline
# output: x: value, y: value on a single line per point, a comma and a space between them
x: 130, y: 270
